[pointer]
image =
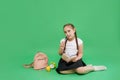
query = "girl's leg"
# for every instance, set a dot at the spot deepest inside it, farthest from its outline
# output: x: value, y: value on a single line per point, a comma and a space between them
x: 67, y: 71
x: 87, y: 69
x: 84, y: 70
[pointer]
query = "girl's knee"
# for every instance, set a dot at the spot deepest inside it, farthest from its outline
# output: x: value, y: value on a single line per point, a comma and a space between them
x: 80, y: 70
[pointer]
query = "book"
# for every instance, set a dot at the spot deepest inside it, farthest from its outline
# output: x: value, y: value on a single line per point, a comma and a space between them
x: 68, y: 58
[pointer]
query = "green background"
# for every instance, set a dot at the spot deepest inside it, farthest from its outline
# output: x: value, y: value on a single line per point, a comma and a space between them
x: 28, y: 26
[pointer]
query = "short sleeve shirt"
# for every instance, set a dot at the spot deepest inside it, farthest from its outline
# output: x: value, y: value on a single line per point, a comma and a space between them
x: 71, y: 47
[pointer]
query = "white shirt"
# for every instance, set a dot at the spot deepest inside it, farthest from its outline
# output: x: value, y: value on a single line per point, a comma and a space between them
x: 71, y: 47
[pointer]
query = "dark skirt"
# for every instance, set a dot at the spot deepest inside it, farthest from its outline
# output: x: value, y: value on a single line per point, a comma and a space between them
x: 62, y: 65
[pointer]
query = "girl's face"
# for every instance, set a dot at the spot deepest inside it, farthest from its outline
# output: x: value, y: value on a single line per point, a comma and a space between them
x: 69, y: 32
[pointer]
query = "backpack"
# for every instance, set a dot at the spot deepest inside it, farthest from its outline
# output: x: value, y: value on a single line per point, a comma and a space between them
x: 40, y: 61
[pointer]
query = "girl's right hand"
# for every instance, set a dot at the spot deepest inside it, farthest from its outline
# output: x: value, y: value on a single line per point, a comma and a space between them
x: 61, y: 49
x: 62, y: 45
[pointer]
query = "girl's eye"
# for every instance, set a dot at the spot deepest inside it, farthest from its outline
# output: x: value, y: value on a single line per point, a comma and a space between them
x: 65, y: 32
x: 68, y: 30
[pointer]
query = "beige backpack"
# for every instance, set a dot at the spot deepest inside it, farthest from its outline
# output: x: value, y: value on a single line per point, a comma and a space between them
x: 40, y: 61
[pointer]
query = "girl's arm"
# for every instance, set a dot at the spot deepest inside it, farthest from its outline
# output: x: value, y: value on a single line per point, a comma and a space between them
x: 61, y: 48
x: 80, y: 53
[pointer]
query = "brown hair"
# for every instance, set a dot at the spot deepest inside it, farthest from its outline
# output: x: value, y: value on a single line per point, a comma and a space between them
x: 69, y: 24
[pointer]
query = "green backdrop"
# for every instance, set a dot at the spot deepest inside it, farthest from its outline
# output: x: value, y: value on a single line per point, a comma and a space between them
x: 28, y: 26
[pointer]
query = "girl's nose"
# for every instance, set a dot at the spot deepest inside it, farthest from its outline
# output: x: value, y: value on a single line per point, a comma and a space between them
x: 67, y: 33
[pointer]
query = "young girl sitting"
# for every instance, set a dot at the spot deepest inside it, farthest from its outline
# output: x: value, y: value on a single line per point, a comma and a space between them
x: 71, y: 51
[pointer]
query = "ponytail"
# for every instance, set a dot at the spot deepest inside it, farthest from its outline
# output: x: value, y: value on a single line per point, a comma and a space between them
x: 76, y: 42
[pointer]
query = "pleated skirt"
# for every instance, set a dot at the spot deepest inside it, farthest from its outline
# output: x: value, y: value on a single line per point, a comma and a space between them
x: 62, y: 65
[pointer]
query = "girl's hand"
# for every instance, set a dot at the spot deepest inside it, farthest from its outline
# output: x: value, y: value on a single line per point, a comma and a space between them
x: 65, y: 57
x: 62, y: 45
x: 75, y: 59
x: 61, y: 49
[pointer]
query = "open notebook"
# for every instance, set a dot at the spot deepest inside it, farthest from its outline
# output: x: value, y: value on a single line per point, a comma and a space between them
x: 68, y: 58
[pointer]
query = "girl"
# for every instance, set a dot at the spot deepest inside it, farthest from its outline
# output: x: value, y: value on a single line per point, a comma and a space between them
x: 71, y: 51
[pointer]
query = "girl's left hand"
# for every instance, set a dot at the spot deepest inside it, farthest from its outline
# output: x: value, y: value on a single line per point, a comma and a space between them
x: 75, y: 59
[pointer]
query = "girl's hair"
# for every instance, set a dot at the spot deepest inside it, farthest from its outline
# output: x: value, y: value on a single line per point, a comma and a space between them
x: 69, y: 24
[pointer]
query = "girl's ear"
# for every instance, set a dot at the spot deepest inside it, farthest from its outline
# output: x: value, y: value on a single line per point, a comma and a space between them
x: 74, y: 30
